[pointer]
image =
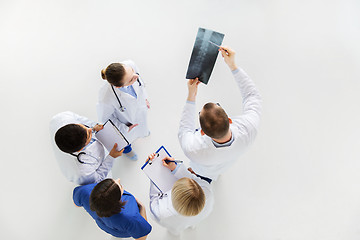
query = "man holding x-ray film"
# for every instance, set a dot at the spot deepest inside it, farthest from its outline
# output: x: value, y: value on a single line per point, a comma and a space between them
x: 221, y: 139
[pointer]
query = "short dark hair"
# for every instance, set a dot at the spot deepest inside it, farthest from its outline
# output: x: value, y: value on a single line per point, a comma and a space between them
x: 214, y: 121
x: 114, y: 74
x: 105, y: 198
x: 71, y: 138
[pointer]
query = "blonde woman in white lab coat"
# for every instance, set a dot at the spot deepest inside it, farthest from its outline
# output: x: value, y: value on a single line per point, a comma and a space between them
x: 123, y: 100
x: 184, y: 206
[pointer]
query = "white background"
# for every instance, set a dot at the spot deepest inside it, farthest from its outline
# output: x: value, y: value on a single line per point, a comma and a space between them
x: 299, y: 180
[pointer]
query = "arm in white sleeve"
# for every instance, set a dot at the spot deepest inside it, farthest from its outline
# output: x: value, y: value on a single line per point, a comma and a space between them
x: 106, y: 112
x: 94, y: 175
x: 187, y: 126
x: 154, y: 191
x: 183, y: 172
x: 154, y: 200
x: 248, y: 122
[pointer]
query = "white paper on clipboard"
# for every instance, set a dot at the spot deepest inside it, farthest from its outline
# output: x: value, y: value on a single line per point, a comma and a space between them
x: 110, y: 135
x: 160, y: 175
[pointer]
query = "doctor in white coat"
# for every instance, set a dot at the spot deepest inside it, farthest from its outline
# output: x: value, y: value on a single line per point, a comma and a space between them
x: 123, y: 100
x: 189, y: 202
x: 221, y: 140
x: 90, y: 164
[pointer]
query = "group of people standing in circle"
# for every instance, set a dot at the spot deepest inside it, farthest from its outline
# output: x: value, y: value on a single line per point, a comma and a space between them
x: 211, y: 149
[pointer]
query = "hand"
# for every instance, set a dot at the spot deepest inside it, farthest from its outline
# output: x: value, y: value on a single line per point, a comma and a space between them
x: 170, y: 165
x: 192, y: 87
x: 190, y: 170
x: 98, y: 127
x: 229, y: 57
x: 132, y: 126
x: 147, y: 103
x: 115, y: 153
x: 151, y: 157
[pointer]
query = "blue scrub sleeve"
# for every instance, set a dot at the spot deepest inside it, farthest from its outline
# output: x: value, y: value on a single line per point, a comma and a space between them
x: 77, y: 196
x: 138, y: 227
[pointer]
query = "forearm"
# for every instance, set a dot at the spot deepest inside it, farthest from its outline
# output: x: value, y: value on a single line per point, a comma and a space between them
x: 187, y: 123
x: 123, y: 128
x: 191, y: 97
x: 250, y: 94
x: 142, y: 238
x: 143, y: 212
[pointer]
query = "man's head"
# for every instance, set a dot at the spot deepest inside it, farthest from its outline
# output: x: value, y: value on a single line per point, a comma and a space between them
x: 187, y: 197
x: 214, y: 121
x: 105, y: 198
x: 119, y: 75
x: 72, y: 137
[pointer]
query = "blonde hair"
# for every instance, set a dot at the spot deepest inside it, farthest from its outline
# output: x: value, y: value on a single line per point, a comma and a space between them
x: 187, y: 197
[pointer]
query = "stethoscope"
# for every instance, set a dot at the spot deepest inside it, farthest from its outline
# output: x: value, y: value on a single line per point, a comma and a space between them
x: 122, y: 108
x: 84, y: 153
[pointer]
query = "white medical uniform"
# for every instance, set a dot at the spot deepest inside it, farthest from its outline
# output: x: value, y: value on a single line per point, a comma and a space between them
x: 135, y: 112
x: 96, y: 166
x: 205, y: 158
x: 163, y: 212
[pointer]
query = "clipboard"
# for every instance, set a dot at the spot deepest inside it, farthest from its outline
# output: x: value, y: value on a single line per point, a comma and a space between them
x: 110, y: 135
x: 161, y: 176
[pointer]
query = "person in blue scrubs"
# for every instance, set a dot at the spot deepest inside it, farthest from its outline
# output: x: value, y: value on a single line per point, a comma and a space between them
x: 114, y: 210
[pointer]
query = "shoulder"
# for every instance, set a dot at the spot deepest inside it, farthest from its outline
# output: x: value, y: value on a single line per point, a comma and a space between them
x: 195, y: 142
x: 83, y: 192
x: 105, y: 87
x: 244, y: 125
x: 129, y: 62
x: 63, y: 116
x: 132, y: 64
x: 84, y: 189
x: 61, y: 119
x: 105, y: 93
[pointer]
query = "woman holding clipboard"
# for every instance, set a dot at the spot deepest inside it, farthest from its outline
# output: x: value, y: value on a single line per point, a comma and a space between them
x: 188, y: 202
x: 123, y: 100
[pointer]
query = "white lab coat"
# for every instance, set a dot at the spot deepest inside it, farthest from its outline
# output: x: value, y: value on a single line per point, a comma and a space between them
x: 163, y: 212
x: 208, y: 160
x: 135, y: 112
x: 96, y: 166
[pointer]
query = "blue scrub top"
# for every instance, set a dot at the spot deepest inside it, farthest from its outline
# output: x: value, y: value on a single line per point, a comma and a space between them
x: 127, y: 223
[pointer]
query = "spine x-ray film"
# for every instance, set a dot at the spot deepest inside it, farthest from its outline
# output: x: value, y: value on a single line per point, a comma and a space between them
x: 204, y: 54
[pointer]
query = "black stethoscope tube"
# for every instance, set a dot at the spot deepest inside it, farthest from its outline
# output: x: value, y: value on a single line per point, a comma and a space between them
x: 122, y: 109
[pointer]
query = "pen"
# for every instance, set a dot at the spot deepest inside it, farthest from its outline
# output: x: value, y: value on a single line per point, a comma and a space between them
x: 227, y: 53
x: 175, y: 161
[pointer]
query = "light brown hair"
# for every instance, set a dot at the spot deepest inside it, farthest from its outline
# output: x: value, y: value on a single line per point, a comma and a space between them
x: 187, y: 197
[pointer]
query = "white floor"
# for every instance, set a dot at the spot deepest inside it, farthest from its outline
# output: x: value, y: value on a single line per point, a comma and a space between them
x: 299, y: 180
